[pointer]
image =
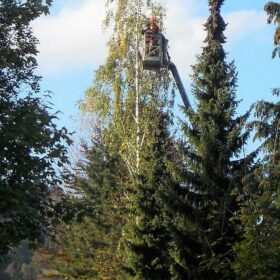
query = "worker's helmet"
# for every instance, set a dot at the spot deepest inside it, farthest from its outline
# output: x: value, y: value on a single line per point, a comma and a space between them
x: 152, y: 20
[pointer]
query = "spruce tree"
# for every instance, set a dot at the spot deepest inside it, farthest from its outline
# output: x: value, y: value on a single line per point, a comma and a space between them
x: 273, y: 11
x: 258, y: 253
x: 88, y: 238
x: 205, y: 233
x: 147, y: 235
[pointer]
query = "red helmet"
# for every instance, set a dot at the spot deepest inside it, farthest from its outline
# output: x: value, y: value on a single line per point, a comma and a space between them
x: 152, y: 20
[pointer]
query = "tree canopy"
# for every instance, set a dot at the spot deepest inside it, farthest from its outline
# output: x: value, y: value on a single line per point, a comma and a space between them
x: 31, y: 144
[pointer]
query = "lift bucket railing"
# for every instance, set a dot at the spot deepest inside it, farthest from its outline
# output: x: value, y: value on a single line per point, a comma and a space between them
x: 152, y: 44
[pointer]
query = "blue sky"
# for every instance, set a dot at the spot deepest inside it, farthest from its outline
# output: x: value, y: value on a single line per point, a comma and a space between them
x: 72, y: 46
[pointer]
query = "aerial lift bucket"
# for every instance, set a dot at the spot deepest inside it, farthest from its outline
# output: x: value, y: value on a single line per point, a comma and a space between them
x: 154, y: 51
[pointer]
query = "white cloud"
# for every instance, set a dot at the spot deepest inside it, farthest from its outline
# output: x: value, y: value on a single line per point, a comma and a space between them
x: 186, y: 32
x: 73, y: 38
x: 243, y: 23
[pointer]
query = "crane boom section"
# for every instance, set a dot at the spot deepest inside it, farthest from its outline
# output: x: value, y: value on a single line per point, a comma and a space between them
x: 180, y: 85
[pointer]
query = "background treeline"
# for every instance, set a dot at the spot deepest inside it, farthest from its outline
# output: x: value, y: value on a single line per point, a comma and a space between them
x: 150, y: 198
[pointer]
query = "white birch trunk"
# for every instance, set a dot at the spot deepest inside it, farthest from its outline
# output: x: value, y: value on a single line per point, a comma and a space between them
x: 137, y: 86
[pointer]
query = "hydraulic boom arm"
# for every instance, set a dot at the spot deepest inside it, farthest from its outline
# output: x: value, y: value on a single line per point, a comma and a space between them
x: 180, y: 85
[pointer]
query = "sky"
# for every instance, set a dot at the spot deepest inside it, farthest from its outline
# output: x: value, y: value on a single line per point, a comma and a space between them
x: 73, y: 45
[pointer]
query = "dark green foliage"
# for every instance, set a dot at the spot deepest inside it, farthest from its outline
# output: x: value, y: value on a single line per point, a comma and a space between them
x: 212, y: 177
x: 259, y: 253
x: 147, y: 237
x: 89, y: 237
x: 273, y: 11
x: 267, y: 127
x: 30, y: 147
x: 30, y: 144
x: 18, y: 45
